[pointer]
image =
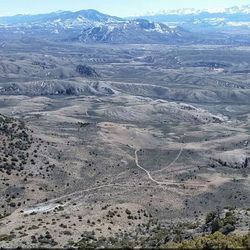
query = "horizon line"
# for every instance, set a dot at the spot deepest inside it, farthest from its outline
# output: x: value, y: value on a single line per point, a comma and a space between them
x: 160, y: 11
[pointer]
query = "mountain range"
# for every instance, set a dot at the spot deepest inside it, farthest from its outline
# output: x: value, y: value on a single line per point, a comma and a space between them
x: 184, y: 26
x: 244, y: 9
x: 90, y: 26
x: 236, y: 16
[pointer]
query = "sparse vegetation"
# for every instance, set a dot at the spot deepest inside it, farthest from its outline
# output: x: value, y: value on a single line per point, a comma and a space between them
x: 75, y: 118
x: 216, y: 240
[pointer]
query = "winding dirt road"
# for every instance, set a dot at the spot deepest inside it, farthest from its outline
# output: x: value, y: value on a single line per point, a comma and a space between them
x: 171, y: 163
x: 53, y: 203
x: 149, y: 175
x: 161, y: 182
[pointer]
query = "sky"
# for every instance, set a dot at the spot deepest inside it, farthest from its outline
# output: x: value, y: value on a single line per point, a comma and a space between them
x: 122, y: 8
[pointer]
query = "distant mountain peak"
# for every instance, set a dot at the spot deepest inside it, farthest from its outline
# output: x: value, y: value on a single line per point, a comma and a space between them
x: 64, y: 16
x: 90, y: 26
x: 244, y: 9
x: 200, y: 19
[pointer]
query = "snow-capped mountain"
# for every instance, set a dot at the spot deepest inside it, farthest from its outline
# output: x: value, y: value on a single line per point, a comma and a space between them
x: 136, y: 31
x: 90, y: 26
x: 62, y: 18
x: 244, y: 9
x: 190, y: 18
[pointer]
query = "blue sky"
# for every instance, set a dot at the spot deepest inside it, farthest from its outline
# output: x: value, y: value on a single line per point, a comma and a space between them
x: 114, y: 7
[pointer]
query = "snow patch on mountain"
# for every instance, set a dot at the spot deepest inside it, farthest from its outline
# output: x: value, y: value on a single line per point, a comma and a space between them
x: 245, y: 9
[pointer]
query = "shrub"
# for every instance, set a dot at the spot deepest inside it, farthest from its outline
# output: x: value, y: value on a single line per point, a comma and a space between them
x: 211, y: 216
x: 214, y: 241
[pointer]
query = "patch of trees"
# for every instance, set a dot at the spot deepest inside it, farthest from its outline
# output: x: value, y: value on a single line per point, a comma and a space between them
x: 87, y: 71
x: 214, y: 222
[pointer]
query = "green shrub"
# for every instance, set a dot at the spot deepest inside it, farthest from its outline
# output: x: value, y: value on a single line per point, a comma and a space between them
x: 214, y: 241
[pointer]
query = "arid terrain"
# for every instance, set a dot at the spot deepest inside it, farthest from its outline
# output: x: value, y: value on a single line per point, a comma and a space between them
x: 110, y: 140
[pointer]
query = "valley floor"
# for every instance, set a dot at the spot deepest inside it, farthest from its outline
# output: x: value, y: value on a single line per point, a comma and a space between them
x: 123, y: 153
